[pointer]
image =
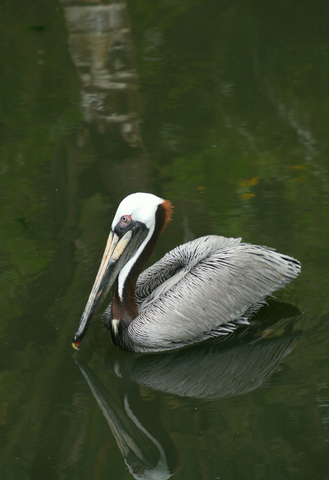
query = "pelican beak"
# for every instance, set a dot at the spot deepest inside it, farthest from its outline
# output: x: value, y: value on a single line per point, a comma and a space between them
x: 116, y: 254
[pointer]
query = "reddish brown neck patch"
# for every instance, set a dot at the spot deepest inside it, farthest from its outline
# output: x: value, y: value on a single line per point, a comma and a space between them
x: 168, y: 208
x: 126, y: 307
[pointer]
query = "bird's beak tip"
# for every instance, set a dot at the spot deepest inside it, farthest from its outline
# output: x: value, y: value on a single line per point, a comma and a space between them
x: 76, y: 345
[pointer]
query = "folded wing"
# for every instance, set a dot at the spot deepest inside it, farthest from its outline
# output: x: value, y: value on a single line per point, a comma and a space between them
x: 205, y: 288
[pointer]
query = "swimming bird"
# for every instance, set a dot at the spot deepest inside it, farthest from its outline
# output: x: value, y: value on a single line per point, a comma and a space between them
x: 201, y: 289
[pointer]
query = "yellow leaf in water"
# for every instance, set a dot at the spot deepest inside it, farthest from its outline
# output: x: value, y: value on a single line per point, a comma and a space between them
x: 299, y: 167
x: 247, y: 183
x: 245, y: 196
x: 254, y: 181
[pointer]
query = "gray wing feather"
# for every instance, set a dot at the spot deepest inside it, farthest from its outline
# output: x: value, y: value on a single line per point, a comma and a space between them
x: 164, y: 274
x: 208, y: 286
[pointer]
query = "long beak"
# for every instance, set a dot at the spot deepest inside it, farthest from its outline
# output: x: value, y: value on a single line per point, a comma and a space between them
x: 112, y: 261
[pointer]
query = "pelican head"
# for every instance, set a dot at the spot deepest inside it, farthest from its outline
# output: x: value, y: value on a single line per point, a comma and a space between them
x: 136, y: 227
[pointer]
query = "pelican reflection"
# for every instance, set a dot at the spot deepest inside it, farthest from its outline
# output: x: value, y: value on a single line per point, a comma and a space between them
x: 208, y: 371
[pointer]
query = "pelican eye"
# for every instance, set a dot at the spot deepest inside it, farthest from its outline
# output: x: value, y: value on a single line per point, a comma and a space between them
x: 125, y: 219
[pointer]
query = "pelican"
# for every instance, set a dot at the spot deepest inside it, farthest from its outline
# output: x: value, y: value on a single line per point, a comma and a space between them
x: 201, y: 289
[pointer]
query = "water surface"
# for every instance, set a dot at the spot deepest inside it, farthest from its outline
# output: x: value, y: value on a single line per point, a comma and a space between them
x: 221, y: 107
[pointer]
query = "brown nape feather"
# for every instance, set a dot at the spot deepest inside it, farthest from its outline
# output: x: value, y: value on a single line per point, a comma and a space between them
x: 168, y: 208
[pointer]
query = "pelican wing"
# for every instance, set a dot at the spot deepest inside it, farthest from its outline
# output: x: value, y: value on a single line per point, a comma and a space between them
x: 205, y: 288
x: 167, y: 272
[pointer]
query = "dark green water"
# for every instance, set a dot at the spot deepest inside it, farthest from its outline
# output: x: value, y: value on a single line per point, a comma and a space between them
x: 223, y: 108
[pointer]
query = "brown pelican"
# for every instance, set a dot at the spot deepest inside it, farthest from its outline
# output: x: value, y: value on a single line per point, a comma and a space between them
x: 201, y: 289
